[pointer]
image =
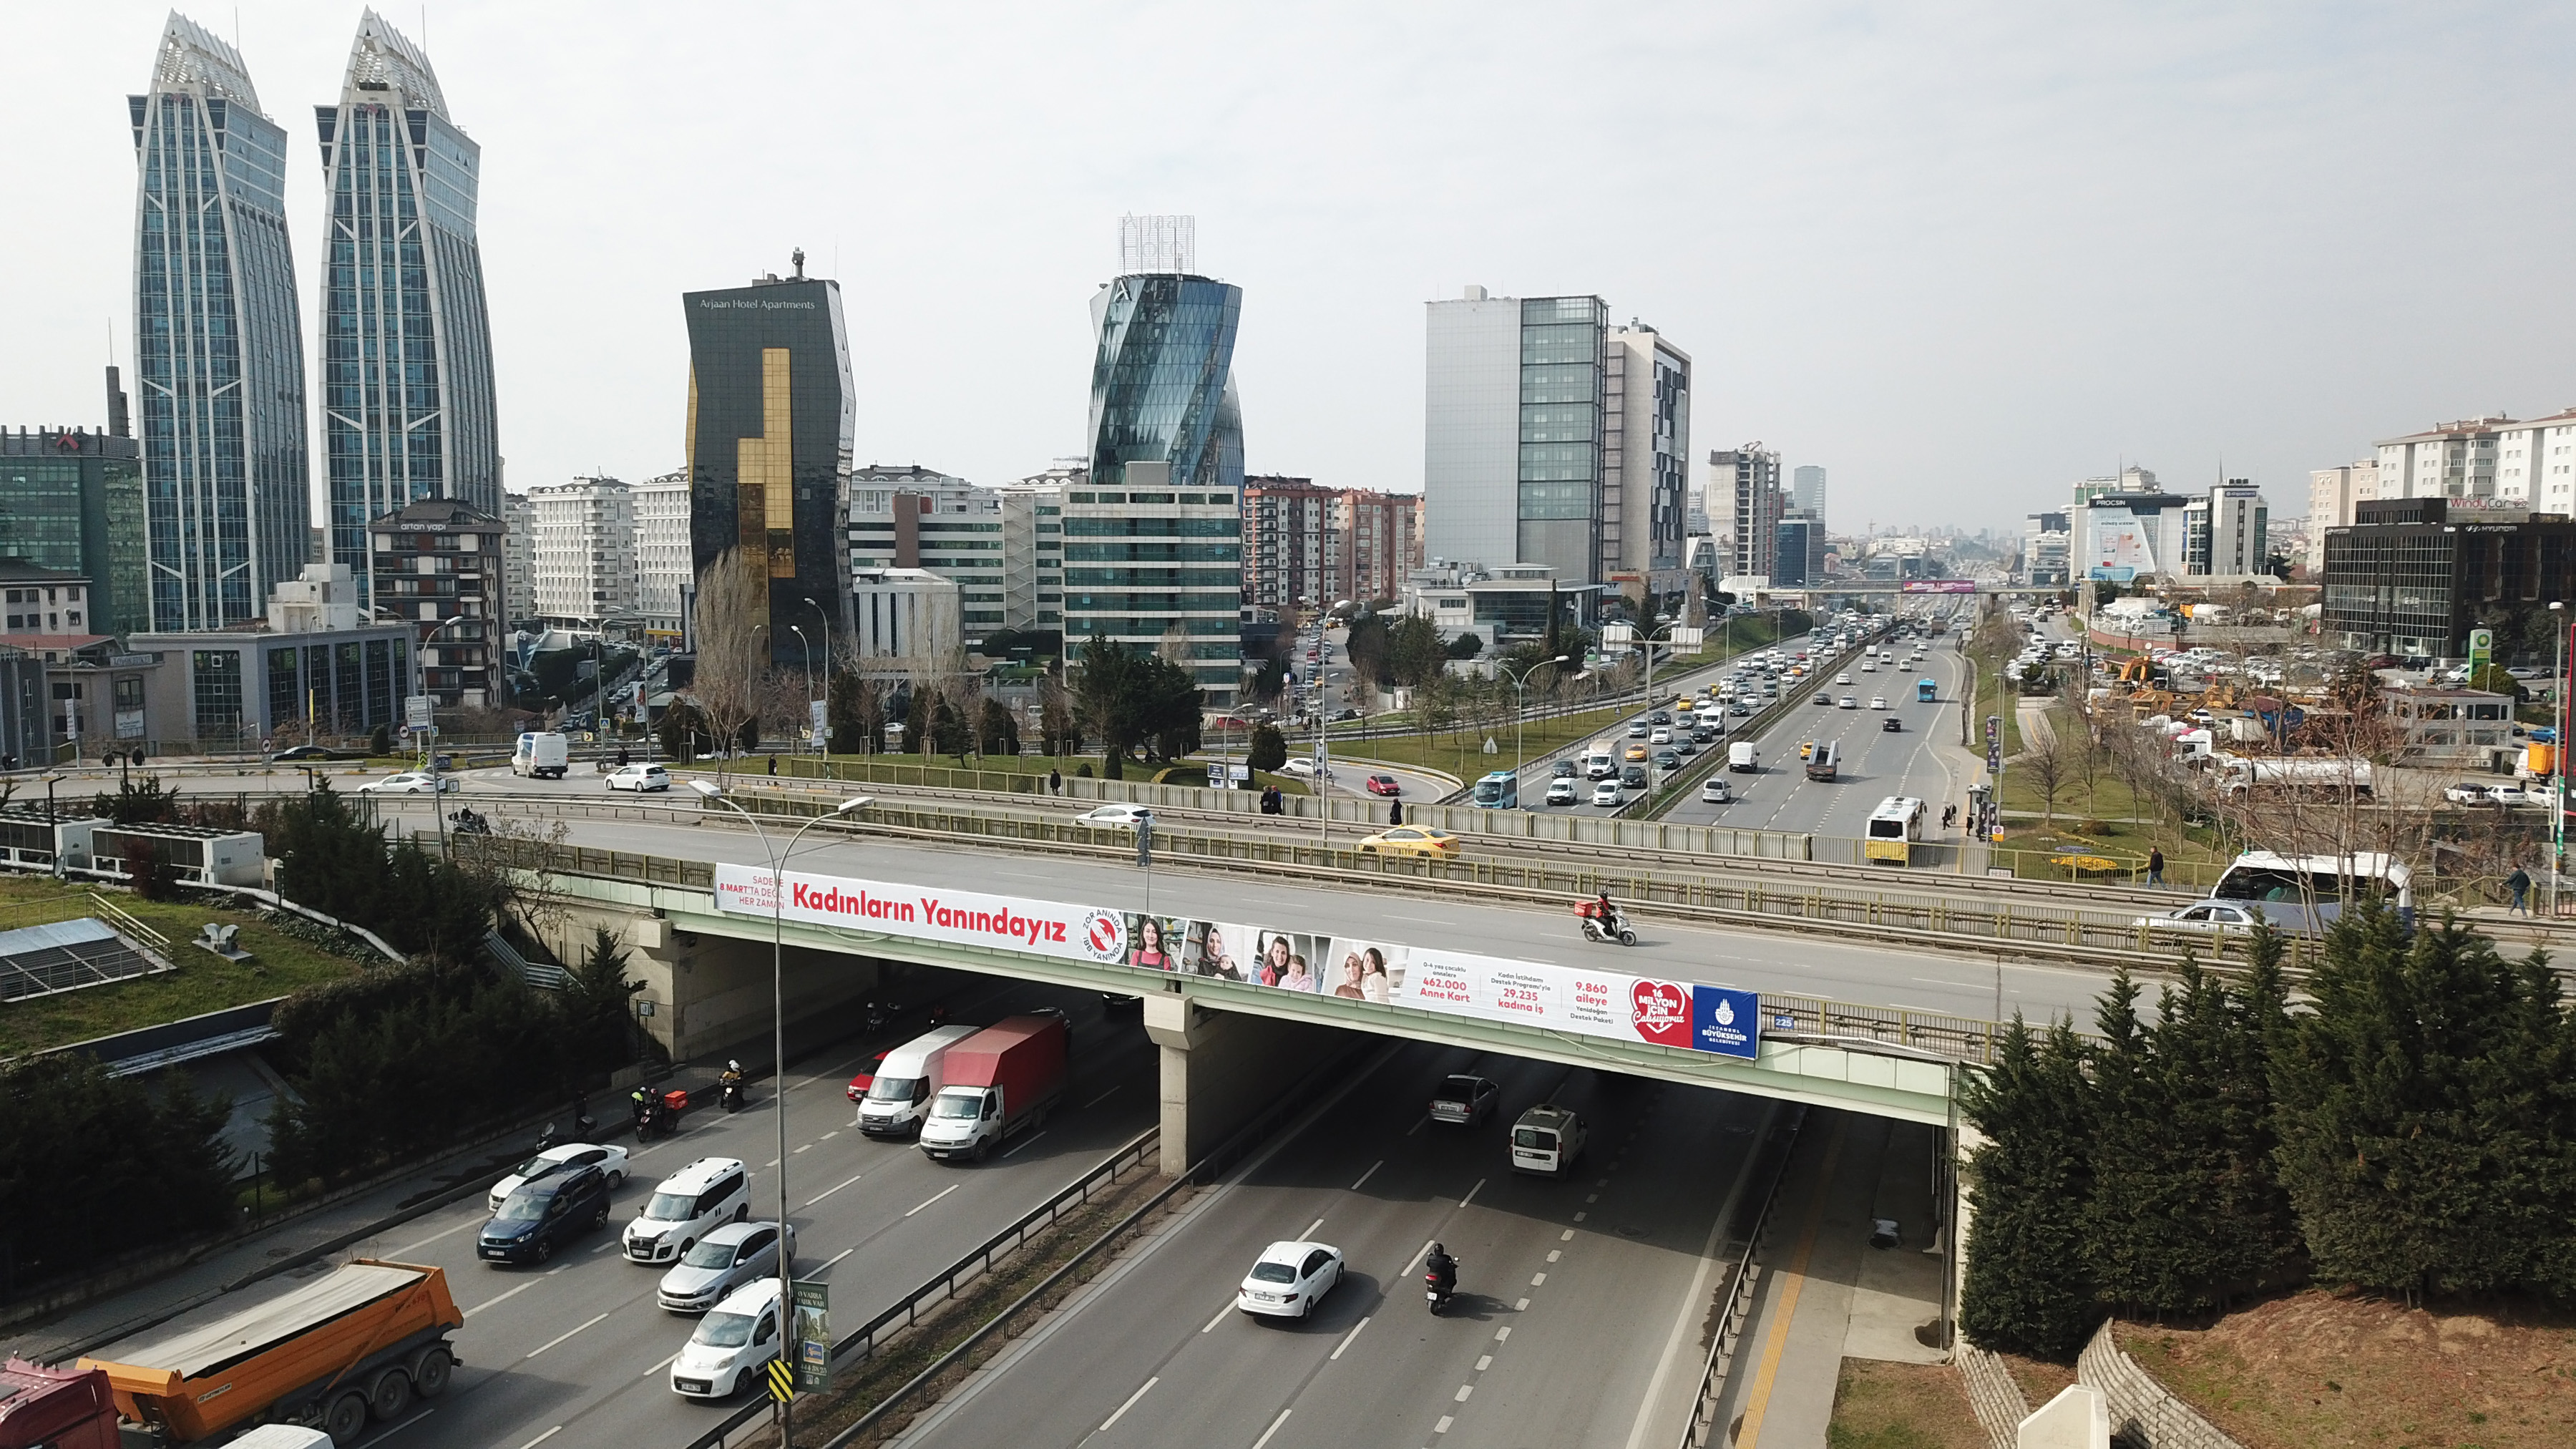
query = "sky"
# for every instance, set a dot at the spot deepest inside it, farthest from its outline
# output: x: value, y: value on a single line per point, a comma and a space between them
x: 1959, y: 255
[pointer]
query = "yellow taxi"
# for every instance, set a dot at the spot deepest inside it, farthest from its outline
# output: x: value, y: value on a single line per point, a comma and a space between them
x: 1410, y: 840
x: 1637, y: 751
x: 1807, y: 750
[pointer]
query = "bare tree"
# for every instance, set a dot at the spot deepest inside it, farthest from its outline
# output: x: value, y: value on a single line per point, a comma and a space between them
x: 733, y: 646
x: 2044, y: 755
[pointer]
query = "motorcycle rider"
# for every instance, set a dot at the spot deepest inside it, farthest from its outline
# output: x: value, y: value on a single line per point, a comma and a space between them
x: 1609, y: 912
x: 648, y: 1112
x: 1440, y: 1272
x: 731, y: 1083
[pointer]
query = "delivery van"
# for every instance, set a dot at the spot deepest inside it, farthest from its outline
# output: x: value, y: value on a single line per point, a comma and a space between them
x: 541, y: 756
x: 1000, y: 1080
x: 1601, y: 761
x: 906, y: 1079
x: 1546, y: 1140
x: 1743, y: 757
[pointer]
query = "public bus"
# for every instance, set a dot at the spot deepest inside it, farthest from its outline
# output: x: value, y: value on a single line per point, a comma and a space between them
x: 1926, y: 692
x: 1894, y: 827
x: 1500, y: 790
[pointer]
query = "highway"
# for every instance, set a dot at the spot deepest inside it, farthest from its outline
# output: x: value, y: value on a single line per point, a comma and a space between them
x: 578, y: 1351
x: 1578, y: 1312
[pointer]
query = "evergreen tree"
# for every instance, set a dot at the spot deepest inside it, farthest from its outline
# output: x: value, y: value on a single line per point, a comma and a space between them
x: 2028, y: 1290
x: 2130, y: 1220
x: 1268, y: 750
x: 2212, y: 1046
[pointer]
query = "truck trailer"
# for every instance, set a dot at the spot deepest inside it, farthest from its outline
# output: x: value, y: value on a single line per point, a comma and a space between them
x: 1000, y: 1080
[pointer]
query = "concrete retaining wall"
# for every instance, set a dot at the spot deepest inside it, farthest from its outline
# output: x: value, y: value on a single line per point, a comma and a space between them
x: 2143, y: 1412
x: 1992, y: 1394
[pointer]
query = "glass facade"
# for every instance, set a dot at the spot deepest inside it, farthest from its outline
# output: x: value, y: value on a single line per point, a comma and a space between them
x: 218, y: 340
x: 406, y: 352
x: 1162, y: 384
x: 1562, y: 387
x: 771, y: 417
x: 74, y: 502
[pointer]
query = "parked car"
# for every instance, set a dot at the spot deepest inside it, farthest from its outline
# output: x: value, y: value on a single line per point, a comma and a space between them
x: 1561, y: 792
x: 542, y: 1215
x: 1289, y: 1279
x: 1384, y: 785
x: 1116, y: 816
x: 639, y: 778
x: 1465, y: 1100
x: 1410, y: 840
x: 2511, y: 795
x: 1715, y: 791
x: 733, y: 1344
x: 610, y: 1160
x: 723, y: 1261
x: 412, y: 782
x: 2467, y: 792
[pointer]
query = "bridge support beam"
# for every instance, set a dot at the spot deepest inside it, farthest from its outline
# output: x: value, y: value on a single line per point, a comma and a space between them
x: 1220, y: 1069
x: 708, y: 992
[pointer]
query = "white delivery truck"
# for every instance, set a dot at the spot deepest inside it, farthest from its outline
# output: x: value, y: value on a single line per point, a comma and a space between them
x: 906, y: 1079
x: 1742, y: 757
x: 541, y: 756
x: 1601, y: 761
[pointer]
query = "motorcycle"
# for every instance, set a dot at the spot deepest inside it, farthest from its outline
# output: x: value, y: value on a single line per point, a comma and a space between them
x: 1601, y: 920
x: 1437, y: 1292
x: 470, y: 823
x: 652, y: 1118
x: 879, y: 1017
x: 729, y: 1090
x: 939, y: 1013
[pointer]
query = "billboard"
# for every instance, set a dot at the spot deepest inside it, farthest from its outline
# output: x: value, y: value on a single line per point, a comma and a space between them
x: 1279, y: 956
x: 1938, y: 586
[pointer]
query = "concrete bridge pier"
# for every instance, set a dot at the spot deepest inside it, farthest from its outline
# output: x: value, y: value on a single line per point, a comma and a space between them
x: 707, y: 992
x: 1221, y: 1069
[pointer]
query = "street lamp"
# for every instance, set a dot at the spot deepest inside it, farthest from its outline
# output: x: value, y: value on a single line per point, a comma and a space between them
x: 1520, y: 710
x: 778, y: 1020
x: 2558, y: 763
x: 53, y: 824
x: 805, y: 647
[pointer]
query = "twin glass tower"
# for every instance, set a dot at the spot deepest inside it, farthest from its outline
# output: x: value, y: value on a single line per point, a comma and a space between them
x: 406, y: 352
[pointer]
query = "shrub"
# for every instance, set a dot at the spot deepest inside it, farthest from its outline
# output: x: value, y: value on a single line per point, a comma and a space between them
x: 92, y: 1165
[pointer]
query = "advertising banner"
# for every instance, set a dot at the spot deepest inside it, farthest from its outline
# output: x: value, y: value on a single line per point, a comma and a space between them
x: 1938, y: 586
x: 1726, y: 1022
x: 813, y: 1336
x: 927, y: 913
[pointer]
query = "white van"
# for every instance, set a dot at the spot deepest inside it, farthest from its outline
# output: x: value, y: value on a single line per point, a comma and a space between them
x: 906, y: 1080
x: 1602, y: 762
x: 732, y: 1344
x: 686, y: 1206
x: 541, y: 756
x: 1743, y: 756
x: 1546, y: 1140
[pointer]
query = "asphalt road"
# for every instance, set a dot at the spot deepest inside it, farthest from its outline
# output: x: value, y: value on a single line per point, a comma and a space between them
x: 578, y: 1351
x: 1541, y: 768
x: 1579, y: 1301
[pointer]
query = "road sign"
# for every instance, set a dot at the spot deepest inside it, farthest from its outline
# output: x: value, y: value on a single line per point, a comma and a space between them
x: 782, y: 1380
x: 416, y: 711
x: 813, y: 1337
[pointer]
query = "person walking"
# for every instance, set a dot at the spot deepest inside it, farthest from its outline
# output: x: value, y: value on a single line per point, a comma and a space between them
x: 2155, y: 865
x: 773, y: 764
x: 1395, y: 812
x: 1055, y: 781
x: 2520, y: 884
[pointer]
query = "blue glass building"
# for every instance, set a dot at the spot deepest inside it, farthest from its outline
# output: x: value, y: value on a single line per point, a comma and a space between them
x: 406, y: 357
x: 1162, y: 380
x: 218, y: 344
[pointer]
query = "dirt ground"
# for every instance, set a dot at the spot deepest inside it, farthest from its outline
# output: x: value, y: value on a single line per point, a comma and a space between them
x: 1901, y: 1406
x: 2320, y: 1369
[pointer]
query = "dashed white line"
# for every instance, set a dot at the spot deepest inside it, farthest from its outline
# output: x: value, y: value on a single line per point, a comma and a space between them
x: 943, y: 1192
x: 1347, y: 1337
x: 1521, y: 1307
x: 836, y: 1257
x: 1443, y: 1426
x: 488, y: 1302
x: 1463, y: 1391
x: 828, y: 1136
x: 657, y: 1368
x: 1484, y: 1362
x: 1418, y: 1126
x: 1471, y: 1193
x: 1025, y: 1141
x: 604, y: 1247
x: 407, y: 1249
x: 808, y: 1147
x: 1365, y: 1176
x: 1273, y: 1429
x: 541, y: 1438
x: 1578, y: 1217
x: 1538, y: 1280
x: 1407, y: 1270
x: 1502, y: 1333
x: 1220, y: 1318
x: 1568, y: 1237
x: 1131, y: 1403
x: 549, y: 1343
x: 827, y: 1192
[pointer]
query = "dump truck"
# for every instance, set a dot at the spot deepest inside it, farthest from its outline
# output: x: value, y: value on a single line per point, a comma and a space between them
x: 359, y: 1343
x: 1000, y: 1080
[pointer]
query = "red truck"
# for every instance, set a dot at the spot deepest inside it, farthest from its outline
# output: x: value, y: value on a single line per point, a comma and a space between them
x: 999, y: 1080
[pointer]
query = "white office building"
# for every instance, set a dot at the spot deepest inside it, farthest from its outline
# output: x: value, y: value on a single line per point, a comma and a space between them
x: 518, y: 556
x: 902, y: 620
x: 584, y: 534
x: 1645, y: 456
x: 663, y: 582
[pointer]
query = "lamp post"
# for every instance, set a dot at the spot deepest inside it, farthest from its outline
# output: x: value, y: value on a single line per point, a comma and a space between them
x: 52, y: 823
x: 1520, y: 710
x: 2558, y: 762
x: 805, y: 647
x: 778, y: 1026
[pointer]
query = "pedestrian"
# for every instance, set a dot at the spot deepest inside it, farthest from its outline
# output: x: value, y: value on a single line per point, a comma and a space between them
x: 773, y: 764
x: 2155, y: 865
x: 1055, y: 781
x: 1144, y: 842
x: 1395, y: 812
x: 2520, y: 884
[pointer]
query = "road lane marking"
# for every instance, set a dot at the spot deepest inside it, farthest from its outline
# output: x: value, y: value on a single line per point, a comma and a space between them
x: 836, y: 1257
x: 1310, y: 1228
x: 1484, y: 1362
x: 488, y: 1302
x: 550, y: 1272
x: 1463, y: 1391
x: 1567, y: 1237
x: 1365, y: 1176
x: 773, y: 1162
x: 943, y: 1192
x: 1103, y: 1097
x: 1538, y: 1280
x: 827, y: 1192
x: 1595, y: 1197
x: 541, y: 1438
x: 549, y: 1343
x: 1131, y: 1403
x: 657, y: 1368
x: 1758, y: 1401
x: 1443, y: 1426
x: 1471, y: 1193
x: 1521, y: 1307
x: 808, y: 1147
x: 1418, y: 1126
x: 1415, y: 1260
x: 1025, y: 1141
x: 1502, y: 1333
x: 604, y: 1247
x: 1555, y: 1253
x: 1220, y: 1318
x: 407, y: 1249
x: 1347, y: 1337
x: 1273, y: 1429
x: 828, y: 1136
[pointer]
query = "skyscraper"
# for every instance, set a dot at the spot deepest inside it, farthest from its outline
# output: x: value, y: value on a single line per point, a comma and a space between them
x: 771, y: 419
x: 1514, y: 437
x: 1807, y: 491
x: 1162, y: 377
x: 407, y: 409
x: 217, y: 341
x: 1645, y: 456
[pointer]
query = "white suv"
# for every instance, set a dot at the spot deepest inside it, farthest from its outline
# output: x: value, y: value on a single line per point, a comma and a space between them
x: 686, y: 1206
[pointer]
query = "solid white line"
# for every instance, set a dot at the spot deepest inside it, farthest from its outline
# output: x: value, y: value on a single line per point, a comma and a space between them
x: 1471, y: 1193
x: 1025, y: 1141
x: 943, y: 1192
x: 549, y: 1343
x: 407, y: 1249
x: 383, y: 1435
x: 1310, y: 1228
x: 1365, y: 1176
x: 1347, y: 1337
x: 541, y: 1438
x: 827, y: 1192
x: 1131, y: 1403
x: 488, y: 1302
x: 1273, y: 1429
x: 657, y: 1368
x: 1220, y: 1318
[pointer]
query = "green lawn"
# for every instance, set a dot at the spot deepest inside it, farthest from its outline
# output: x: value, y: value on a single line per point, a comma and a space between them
x: 204, y: 982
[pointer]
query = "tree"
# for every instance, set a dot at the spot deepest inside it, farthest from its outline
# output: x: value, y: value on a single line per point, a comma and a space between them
x: 1467, y: 646
x: 1271, y: 679
x: 856, y: 713
x: 2028, y: 1290
x: 597, y: 1003
x: 93, y: 1165
x: 1268, y: 749
x: 138, y: 802
x: 997, y: 732
x: 733, y: 646
x: 1367, y: 642
x: 683, y: 731
x: 2043, y: 754
x: 1414, y: 651
x: 1058, y: 732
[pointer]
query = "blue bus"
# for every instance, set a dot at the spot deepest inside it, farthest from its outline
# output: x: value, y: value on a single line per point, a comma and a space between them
x: 1926, y: 692
x: 1500, y: 790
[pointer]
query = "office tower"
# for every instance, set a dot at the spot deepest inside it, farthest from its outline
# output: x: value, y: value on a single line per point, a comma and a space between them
x: 2046, y: 540
x: 1749, y: 478
x: 1513, y: 395
x: 1162, y: 377
x: 1645, y: 456
x: 2224, y: 532
x: 662, y: 577
x: 406, y: 351
x: 1798, y: 557
x: 771, y: 418
x: 1033, y: 550
x: 911, y: 517
x: 583, y: 534
x: 1807, y: 491
x: 518, y: 557
x: 1157, y: 568
x: 440, y: 561
x: 71, y: 500
x: 219, y: 354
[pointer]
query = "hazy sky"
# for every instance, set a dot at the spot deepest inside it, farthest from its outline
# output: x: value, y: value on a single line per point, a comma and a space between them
x: 1958, y: 254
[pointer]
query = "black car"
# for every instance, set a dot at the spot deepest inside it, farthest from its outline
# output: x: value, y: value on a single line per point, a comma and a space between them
x: 1893, y: 725
x: 1633, y: 777
x: 1668, y: 760
x: 307, y: 752
x: 1826, y: 700
x: 1564, y: 770
x: 1661, y: 717
x: 1703, y: 736
x: 544, y: 1214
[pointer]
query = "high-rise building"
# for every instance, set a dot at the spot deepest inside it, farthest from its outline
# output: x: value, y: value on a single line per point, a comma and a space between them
x: 2045, y: 542
x: 1513, y: 399
x: 662, y: 577
x: 518, y: 557
x: 1798, y: 559
x: 584, y: 542
x: 912, y: 517
x: 1294, y: 549
x: 2527, y: 464
x: 406, y: 352
x: 1162, y: 375
x: 440, y: 561
x: 219, y: 349
x: 1155, y: 567
x: 1382, y: 533
x: 1645, y: 456
x: 1749, y: 478
x: 1807, y: 491
x: 2225, y: 531
x: 1033, y: 548
x: 71, y: 500
x: 771, y: 419
x: 2333, y: 493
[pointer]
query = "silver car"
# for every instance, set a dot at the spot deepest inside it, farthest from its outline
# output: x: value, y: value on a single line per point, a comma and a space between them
x: 722, y: 1261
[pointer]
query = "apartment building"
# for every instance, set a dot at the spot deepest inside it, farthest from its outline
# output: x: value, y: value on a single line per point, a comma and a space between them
x: 583, y: 536
x: 664, y: 584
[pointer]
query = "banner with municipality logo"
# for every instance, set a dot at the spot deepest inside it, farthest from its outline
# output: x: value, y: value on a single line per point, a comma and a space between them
x: 1300, y: 958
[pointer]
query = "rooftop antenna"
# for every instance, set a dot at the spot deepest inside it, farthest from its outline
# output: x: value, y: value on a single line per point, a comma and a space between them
x: 798, y: 257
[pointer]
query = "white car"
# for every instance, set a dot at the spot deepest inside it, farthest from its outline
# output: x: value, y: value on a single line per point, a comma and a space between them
x: 734, y: 1342
x: 1608, y: 793
x: 1119, y: 816
x: 639, y: 778
x: 1715, y: 791
x: 1850, y: 703
x: 2510, y: 795
x: 2467, y: 792
x: 611, y: 1160
x: 1663, y: 735
x: 1303, y: 766
x: 1290, y: 1279
x: 1843, y: 678
x: 1561, y: 792
x: 411, y: 782
x: 1878, y: 701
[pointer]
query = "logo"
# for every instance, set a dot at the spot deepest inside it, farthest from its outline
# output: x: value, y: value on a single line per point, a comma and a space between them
x: 1725, y: 1021
x: 1104, y: 936
x: 1660, y: 1012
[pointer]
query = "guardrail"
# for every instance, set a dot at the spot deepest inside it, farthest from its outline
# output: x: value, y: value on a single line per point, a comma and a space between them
x: 1743, y: 1277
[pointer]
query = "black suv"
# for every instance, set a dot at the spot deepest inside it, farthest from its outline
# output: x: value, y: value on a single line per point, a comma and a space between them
x: 541, y: 1214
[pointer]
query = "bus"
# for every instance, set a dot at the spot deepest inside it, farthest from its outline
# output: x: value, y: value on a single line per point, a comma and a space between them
x: 1926, y: 692
x: 1500, y: 790
x: 2306, y: 892
x: 1894, y: 827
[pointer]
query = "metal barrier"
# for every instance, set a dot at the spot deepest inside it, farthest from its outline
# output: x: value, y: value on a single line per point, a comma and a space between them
x: 1743, y: 1277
